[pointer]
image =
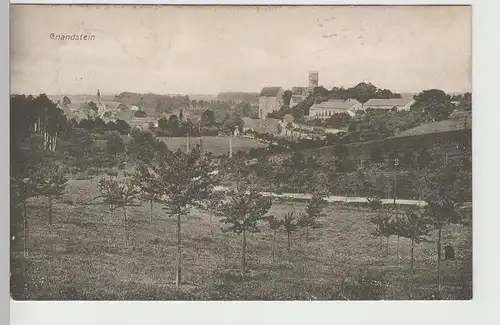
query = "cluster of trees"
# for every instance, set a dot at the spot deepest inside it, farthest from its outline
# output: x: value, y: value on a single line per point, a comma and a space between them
x: 179, y: 126
x: 156, y: 102
x: 182, y: 181
x: 362, y: 92
x: 97, y: 125
x: 37, y: 115
x: 380, y: 124
x: 415, y: 223
x: 434, y: 105
x: 288, y: 169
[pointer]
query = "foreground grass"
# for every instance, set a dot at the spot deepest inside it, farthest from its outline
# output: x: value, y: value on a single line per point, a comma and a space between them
x: 82, y: 256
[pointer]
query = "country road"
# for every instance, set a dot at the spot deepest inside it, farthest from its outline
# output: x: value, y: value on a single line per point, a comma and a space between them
x: 347, y: 199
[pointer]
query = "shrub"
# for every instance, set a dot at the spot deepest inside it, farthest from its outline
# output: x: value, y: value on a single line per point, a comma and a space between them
x: 112, y: 173
x: 68, y: 202
x: 375, y: 203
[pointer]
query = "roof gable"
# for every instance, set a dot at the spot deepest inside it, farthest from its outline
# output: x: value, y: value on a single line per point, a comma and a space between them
x: 270, y: 91
x: 298, y: 91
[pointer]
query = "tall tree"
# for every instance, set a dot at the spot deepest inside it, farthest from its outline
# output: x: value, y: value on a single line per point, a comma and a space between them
x: 241, y: 213
x: 114, y: 144
x: 290, y: 226
x: 448, y: 188
x: 414, y: 227
x: 275, y: 224
x: 309, y: 219
x: 435, y: 104
x: 383, y: 228
x: 186, y: 179
x: 22, y: 190
x: 148, y: 183
x: 52, y: 185
x: 441, y: 213
x: 397, y: 223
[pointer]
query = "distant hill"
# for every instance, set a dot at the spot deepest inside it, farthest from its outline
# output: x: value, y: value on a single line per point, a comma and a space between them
x: 239, y: 96
x: 205, y: 97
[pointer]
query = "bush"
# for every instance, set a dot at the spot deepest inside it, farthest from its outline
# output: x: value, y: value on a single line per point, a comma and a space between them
x: 112, y: 173
x: 140, y: 114
x: 375, y: 203
x: 68, y: 202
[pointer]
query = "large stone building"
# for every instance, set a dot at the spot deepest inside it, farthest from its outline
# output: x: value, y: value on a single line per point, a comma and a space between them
x: 270, y: 100
x: 401, y: 104
x: 335, y: 106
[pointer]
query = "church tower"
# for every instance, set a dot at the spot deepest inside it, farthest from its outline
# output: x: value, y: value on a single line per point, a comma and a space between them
x: 98, y: 95
x: 313, y: 81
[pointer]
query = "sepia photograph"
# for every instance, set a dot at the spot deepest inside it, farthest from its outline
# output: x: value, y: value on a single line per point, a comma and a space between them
x: 253, y: 153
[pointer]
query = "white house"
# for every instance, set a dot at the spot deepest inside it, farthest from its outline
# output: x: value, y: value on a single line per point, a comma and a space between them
x: 270, y: 100
x: 335, y: 106
x: 401, y: 104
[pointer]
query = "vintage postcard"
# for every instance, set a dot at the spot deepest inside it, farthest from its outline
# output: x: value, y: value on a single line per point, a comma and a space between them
x: 240, y: 152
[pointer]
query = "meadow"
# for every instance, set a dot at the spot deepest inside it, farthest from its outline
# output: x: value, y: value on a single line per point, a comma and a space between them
x: 82, y: 256
x: 217, y: 145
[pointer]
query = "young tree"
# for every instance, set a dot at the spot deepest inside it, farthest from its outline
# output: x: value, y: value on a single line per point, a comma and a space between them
x: 114, y: 144
x: 274, y: 224
x: 397, y: 224
x: 22, y: 190
x: 438, y: 214
x: 383, y: 228
x: 92, y: 172
x: 151, y: 188
x: 118, y: 195
x: 186, y: 179
x: 415, y: 228
x: 448, y: 190
x: 52, y: 185
x: 313, y: 211
x: 290, y: 226
x: 243, y: 210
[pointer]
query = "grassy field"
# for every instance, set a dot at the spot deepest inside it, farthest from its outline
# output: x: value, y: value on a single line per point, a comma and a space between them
x: 216, y: 145
x: 82, y: 256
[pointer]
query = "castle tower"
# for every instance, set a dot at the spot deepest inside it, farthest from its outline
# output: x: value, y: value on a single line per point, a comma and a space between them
x: 313, y: 81
x: 98, y: 95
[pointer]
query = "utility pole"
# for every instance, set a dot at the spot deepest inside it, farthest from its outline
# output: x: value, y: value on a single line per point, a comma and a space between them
x: 230, y: 146
x: 201, y: 140
x: 187, y: 141
x: 396, y: 164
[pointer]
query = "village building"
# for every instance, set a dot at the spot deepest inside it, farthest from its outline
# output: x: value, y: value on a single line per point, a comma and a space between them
x: 400, y: 104
x: 269, y: 125
x: 270, y: 100
x: 143, y: 123
x: 335, y: 106
x: 298, y: 94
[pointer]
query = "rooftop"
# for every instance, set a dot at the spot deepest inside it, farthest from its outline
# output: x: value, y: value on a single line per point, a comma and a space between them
x: 336, y: 104
x: 270, y: 91
x: 404, y: 100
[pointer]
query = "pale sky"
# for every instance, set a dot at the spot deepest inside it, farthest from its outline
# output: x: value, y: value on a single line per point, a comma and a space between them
x: 205, y: 50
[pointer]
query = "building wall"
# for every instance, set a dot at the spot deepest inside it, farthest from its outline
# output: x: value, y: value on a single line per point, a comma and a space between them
x: 389, y: 107
x: 327, y: 112
x: 270, y: 104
